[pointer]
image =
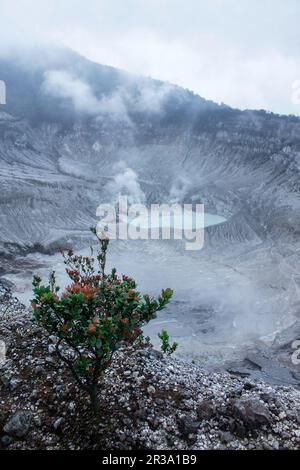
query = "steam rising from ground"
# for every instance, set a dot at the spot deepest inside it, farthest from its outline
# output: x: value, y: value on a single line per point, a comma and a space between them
x: 218, y: 312
x: 125, y: 183
x: 180, y: 188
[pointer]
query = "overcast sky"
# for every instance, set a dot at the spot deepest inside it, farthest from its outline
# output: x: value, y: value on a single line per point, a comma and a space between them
x: 245, y: 53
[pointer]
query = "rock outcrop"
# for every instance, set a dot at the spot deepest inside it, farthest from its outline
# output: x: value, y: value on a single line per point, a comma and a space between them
x: 147, y: 401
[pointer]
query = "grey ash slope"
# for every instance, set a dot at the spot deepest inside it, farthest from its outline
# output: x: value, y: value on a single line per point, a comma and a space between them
x: 147, y: 401
x: 244, y: 165
x: 59, y: 151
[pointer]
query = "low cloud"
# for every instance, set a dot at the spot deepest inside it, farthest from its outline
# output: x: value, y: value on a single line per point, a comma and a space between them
x: 147, y: 97
x: 62, y: 84
x: 244, y: 53
x: 151, y: 97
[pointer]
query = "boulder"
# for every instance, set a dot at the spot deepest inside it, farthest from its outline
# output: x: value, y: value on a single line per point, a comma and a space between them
x: 187, y: 427
x: 19, y: 425
x: 206, y: 410
x: 251, y: 412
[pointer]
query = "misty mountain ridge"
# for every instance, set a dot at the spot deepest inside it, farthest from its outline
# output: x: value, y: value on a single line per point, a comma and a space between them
x: 67, y: 117
x: 62, y: 86
x: 74, y: 134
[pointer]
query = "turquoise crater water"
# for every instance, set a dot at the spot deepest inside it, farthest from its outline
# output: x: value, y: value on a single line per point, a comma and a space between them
x: 189, y: 220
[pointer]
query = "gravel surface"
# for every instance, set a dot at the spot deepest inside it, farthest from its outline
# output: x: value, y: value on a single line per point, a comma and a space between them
x: 147, y: 401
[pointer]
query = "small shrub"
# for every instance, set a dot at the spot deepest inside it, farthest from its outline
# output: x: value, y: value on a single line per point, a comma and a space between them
x: 95, y: 315
x: 166, y: 346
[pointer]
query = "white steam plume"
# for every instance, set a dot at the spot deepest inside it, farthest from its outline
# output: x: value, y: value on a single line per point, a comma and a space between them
x: 125, y: 183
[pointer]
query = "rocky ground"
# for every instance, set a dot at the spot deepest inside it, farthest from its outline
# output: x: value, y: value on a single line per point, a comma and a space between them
x: 147, y: 401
